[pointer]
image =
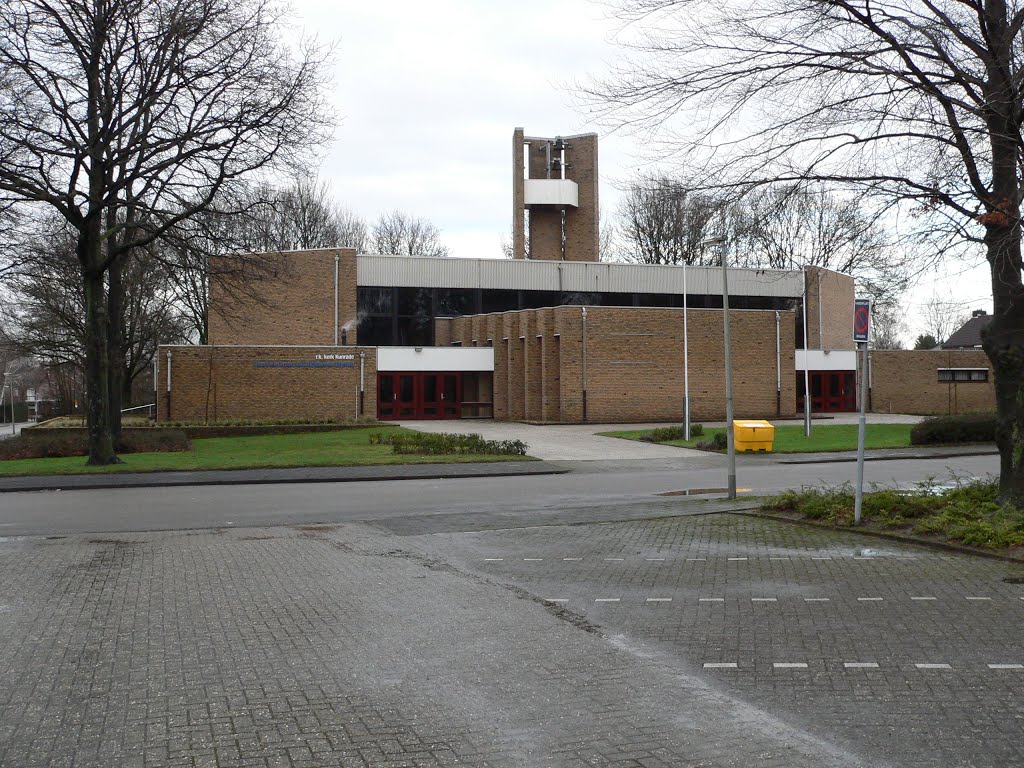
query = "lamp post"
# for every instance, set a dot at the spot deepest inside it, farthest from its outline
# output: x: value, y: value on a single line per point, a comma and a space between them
x: 730, y: 438
x: 686, y: 363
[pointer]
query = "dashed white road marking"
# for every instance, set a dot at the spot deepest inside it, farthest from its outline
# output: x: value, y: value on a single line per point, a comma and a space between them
x: 493, y: 559
x: 710, y: 599
x: 571, y: 559
x: 738, y: 558
x: 764, y: 599
x: 817, y: 599
x: 821, y: 558
x: 870, y: 599
x: 617, y: 559
x: 532, y: 559
x: 659, y: 599
x: 607, y: 600
x: 790, y: 665
x: 924, y: 598
x: 654, y: 559
x: 780, y: 558
x: 704, y: 559
x: 720, y: 665
x: 933, y: 666
x: 556, y: 600
x: 860, y: 664
x: 1006, y: 666
x: 977, y: 598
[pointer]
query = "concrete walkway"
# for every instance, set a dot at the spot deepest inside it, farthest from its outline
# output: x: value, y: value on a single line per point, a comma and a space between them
x: 581, y: 442
x: 563, y: 442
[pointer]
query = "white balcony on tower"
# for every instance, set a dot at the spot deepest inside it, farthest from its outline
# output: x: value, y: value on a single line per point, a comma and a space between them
x: 560, y: 193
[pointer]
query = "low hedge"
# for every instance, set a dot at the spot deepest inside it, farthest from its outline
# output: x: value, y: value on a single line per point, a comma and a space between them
x: 196, y: 431
x: 61, y: 443
x: 951, y: 430
x: 441, y: 444
x: 664, y: 434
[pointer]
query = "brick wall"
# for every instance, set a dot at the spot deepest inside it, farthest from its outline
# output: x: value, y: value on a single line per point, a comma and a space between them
x: 907, y: 381
x: 835, y: 329
x: 292, y: 304
x: 634, y: 362
x: 213, y: 383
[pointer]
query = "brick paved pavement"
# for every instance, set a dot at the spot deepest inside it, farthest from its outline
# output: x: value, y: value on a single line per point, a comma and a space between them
x: 339, y: 646
x: 899, y: 653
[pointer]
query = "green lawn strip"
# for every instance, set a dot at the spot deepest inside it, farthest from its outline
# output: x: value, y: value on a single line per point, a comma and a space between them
x: 789, y: 438
x: 968, y: 513
x: 317, y: 449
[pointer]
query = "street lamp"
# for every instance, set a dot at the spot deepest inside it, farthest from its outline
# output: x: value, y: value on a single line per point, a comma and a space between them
x: 686, y: 363
x: 720, y: 241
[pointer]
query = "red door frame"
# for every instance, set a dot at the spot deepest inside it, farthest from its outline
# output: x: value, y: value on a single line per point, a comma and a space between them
x: 837, y: 391
x: 419, y: 395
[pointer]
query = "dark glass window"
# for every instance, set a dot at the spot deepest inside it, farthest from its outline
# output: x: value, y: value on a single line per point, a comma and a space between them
x: 414, y: 301
x: 581, y: 298
x: 375, y: 331
x: 500, y: 300
x: 375, y: 301
x: 537, y: 299
x: 452, y: 302
x: 617, y: 299
x: 415, y: 332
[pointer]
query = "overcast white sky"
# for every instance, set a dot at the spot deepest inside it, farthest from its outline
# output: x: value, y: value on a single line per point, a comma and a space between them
x: 429, y: 92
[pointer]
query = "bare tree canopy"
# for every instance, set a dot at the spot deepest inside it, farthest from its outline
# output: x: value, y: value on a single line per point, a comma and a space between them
x: 126, y: 117
x: 790, y: 226
x: 402, y: 233
x: 916, y: 104
x: 942, y: 317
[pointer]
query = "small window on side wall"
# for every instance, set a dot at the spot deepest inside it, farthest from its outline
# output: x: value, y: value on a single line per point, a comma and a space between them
x: 963, y: 374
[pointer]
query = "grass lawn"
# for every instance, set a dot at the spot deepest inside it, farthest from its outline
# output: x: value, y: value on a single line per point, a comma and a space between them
x: 789, y: 438
x: 348, y: 447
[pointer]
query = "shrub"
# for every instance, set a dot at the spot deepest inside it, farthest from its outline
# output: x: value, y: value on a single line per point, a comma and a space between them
x: 696, y: 430
x: 964, y: 428
x: 664, y: 434
x: 445, y: 443
x: 63, y: 444
x: 719, y: 442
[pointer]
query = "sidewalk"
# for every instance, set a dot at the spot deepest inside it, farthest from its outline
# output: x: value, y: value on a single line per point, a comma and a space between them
x: 290, y: 475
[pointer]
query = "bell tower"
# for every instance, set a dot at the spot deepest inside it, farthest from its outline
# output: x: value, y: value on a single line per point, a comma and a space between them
x: 554, y: 190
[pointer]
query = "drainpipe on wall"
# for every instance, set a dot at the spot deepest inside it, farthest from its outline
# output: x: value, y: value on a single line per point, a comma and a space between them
x: 584, y: 312
x: 821, y: 335
x: 168, y: 384
x: 362, y: 382
x: 778, y: 365
x: 337, y: 259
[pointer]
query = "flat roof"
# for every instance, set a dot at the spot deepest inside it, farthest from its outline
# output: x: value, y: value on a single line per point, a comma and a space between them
x: 524, y: 274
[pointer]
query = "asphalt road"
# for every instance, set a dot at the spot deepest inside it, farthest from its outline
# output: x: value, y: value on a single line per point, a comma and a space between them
x: 489, y: 501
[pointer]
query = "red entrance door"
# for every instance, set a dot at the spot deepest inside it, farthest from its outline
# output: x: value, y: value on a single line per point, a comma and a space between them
x: 419, y: 395
x: 831, y: 391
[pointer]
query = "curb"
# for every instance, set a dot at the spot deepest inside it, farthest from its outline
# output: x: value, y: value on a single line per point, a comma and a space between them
x: 962, y: 549
x: 224, y: 477
x: 906, y: 457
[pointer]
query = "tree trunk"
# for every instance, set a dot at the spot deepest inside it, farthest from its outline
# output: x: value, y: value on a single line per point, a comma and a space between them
x: 101, y: 443
x: 115, y: 345
x: 1003, y: 342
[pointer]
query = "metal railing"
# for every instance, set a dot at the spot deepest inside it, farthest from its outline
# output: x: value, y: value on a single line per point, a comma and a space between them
x: 150, y: 409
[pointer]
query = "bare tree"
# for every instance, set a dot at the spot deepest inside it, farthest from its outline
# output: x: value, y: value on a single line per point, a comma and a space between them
x: 917, y: 106
x: 126, y: 117
x: 398, y: 232
x: 888, y: 328
x: 942, y: 317
x: 660, y: 221
x: 47, y: 325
